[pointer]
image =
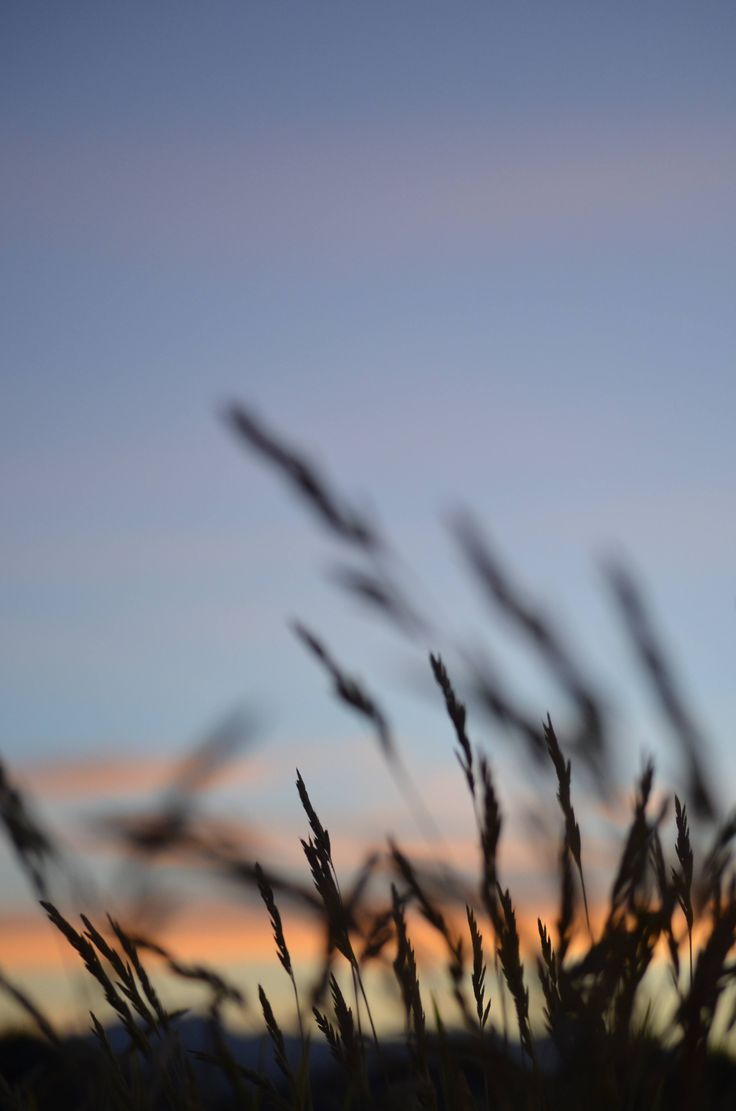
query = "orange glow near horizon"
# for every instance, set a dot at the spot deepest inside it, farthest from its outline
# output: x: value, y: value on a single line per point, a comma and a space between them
x: 237, y: 941
x: 236, y: 938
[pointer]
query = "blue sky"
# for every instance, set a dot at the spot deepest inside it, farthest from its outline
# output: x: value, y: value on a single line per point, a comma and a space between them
x: 460, y: 254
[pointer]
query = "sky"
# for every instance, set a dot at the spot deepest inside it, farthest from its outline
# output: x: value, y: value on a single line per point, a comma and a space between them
x: 462, y: 257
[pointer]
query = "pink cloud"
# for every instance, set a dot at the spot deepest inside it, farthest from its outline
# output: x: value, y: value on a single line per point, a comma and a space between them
x: 110, y: 776
x: 200, y: 198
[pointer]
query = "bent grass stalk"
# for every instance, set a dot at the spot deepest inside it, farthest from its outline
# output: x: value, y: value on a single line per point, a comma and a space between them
x: 593, y: 993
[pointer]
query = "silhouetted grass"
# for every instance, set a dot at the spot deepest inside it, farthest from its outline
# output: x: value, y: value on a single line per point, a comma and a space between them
x: 596, y: 1047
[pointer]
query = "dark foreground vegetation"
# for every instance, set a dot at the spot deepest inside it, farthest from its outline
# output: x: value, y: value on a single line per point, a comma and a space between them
x: 598, y: 1045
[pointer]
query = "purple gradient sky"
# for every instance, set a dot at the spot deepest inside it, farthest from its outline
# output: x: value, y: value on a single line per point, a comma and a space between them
x: 460, y: 254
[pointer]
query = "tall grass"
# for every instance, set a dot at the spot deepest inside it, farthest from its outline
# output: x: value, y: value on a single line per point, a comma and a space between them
x: 596, y: 1045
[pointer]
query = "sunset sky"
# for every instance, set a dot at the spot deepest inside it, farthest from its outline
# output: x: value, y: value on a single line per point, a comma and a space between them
x: 462, y: 256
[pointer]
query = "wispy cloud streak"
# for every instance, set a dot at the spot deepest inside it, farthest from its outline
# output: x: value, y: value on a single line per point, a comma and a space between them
x: 386, y: 192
